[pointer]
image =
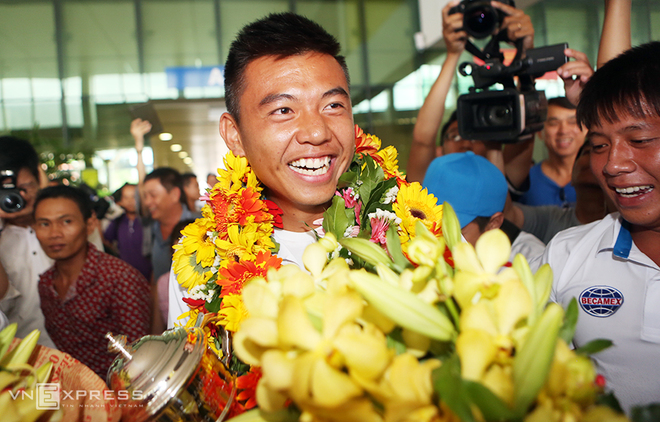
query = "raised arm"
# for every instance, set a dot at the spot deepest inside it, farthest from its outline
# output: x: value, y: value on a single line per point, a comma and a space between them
x: 615, y: 38
x: 575, y: 74
x: 429, y: 118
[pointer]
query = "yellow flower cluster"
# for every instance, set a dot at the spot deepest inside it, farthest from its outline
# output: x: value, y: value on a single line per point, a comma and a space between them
x: 320, y: 349
x: 378, y: 348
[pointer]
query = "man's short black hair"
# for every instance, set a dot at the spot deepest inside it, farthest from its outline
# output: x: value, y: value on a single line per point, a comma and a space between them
x: 17, y: 154
x: 627, y: 84
x: 187, y: 177
x: 168, y: 177
x: 279, y: 34
x: 69, y: 192
x: 562, y: 102
x: 452, y: 118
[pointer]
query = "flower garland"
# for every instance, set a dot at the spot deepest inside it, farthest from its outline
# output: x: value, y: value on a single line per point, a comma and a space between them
x: 233, y: 242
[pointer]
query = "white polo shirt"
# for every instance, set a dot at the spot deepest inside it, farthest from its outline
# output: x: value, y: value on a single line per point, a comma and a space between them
x: 618, y: 293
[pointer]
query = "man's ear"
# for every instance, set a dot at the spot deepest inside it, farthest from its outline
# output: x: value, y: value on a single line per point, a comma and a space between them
x: 92, y: 224
x: 495, y: 221
x: 231, y: 135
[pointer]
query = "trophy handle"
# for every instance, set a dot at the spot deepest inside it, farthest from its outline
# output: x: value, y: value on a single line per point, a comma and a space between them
x: 225, y: 336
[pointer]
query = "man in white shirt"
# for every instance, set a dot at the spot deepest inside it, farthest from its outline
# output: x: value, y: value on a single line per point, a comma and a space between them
x: 20, y: 252
x: 290, y: 114
x: 612, y: 266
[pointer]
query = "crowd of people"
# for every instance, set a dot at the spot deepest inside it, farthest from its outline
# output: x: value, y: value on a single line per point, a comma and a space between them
x: 589, y: 209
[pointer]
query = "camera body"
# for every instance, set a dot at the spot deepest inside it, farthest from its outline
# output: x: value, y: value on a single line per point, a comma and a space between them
x: 514, y: 113
x: 480, y: 19
x: 504, y: 116
x: 11, y: 199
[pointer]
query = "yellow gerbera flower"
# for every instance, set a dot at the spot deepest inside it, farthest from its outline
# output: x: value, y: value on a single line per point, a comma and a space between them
x: 390, y: 162
x: 414, y: 203
x: 188, y: 273
x: 196, y: 242
x: 233, y: 312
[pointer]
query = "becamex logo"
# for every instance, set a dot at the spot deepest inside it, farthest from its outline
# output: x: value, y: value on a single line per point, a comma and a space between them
x: 601, y: 301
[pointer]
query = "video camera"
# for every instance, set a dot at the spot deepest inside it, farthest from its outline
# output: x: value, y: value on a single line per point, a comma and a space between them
x: 10, y: 196
x: 514, y: 113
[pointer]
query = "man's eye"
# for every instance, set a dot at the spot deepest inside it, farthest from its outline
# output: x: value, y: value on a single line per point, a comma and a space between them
x: 282, y: 110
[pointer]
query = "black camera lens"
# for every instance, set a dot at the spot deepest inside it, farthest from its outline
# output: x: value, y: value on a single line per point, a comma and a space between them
x: 11, y: 201
x: 480, y: 22
x: 499, y: 115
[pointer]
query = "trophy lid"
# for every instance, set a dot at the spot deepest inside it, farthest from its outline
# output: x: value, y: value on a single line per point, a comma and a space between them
x: 153, y: 369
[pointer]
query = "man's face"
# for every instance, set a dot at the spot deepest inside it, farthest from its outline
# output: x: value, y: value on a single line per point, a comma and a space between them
x: 191, y: 188
x: 471, y: 232
x: 296, y: 128
x: 127, y: 201
x: 625, y: 158
x: 61, y: 228
x: 453, y: 142
x: 561, y: 133
x: 582, y: 174
x: 158, y: 200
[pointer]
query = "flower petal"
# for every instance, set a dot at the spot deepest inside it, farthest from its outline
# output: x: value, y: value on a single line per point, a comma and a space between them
x: 493, y: 249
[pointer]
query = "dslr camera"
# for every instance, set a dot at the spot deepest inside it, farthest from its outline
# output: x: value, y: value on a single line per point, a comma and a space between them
x: 480, y: 19
x: 10, y: 196
x: 515, y: 112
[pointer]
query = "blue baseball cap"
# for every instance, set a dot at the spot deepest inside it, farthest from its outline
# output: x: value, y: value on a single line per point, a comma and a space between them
x: 471, y: 184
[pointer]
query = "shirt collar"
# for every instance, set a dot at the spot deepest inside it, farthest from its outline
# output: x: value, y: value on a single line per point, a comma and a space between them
x: 617, y: 239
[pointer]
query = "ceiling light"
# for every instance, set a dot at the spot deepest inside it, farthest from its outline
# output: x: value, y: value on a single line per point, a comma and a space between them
x: 165, y: 136
x: 188, y: 160
x: 175, y: 147
x: 183, y: 154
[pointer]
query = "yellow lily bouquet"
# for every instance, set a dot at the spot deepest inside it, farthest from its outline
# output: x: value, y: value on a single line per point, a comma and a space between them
x: 409, y: 337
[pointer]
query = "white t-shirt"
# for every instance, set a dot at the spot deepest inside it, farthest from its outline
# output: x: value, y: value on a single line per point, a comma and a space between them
x: 618, y: 293
x: 528, y: 245
x: 24, y: 260
x: 292, y: 246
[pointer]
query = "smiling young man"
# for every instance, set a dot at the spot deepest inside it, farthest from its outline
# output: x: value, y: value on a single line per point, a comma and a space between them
x: 289, y: 113
x: 87, y: 293
x: 550, y: 180
x: 612, y: 266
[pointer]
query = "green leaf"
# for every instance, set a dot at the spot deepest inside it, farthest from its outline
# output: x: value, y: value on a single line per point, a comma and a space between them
x: 395, y: 341
x: 567, y: 330
x: 372, y: 174
x: 610, y: 401
x: 449, y: 385
x: 394, y: 248
x: 337, y: 218
x: 490, y: 405
x: 594, y: 346
x: 648, y: 413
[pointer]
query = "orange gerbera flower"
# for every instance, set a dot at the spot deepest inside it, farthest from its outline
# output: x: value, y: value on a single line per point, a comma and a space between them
x: 238, y: 273
x: 247, y: 385
x: 251, y: 208
x: 366, y: 144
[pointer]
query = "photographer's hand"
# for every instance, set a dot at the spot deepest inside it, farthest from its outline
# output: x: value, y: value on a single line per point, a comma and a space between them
x: 575, y: 74
x: 452, y: 29
x: 517, y: 24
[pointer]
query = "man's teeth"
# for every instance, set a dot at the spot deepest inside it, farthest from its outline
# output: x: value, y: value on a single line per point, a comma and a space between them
x: 634, y: 191
x: 311, y: 166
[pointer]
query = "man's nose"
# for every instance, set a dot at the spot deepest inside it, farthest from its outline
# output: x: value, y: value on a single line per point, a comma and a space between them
x: 313, y: 128
x: 619, y: 160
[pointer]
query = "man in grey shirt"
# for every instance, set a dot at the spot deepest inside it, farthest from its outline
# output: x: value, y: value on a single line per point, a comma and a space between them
x: 546, y: 221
